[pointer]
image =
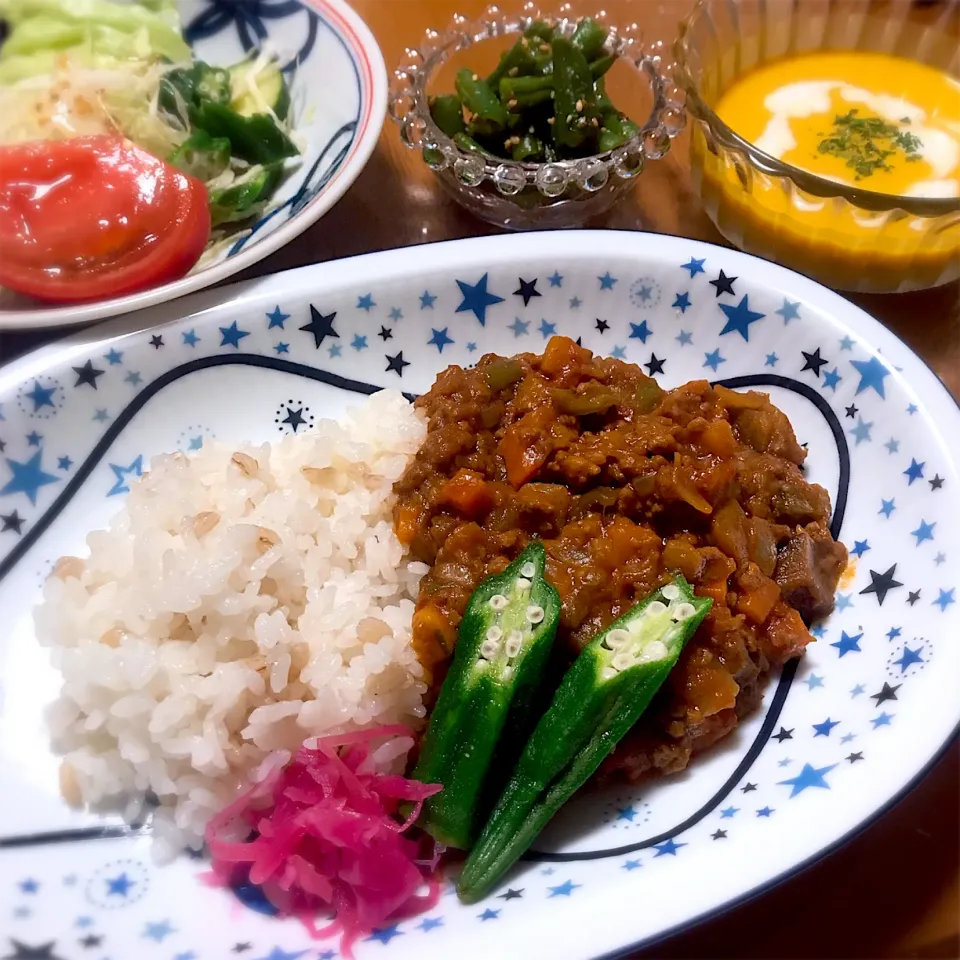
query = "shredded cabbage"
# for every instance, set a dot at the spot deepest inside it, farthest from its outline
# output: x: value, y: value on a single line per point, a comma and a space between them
x: 77, y: 99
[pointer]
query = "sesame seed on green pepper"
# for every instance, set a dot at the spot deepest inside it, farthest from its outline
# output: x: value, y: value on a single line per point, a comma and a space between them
x: 478, y: 97
x: 574, y: 95
x: 590, y: 37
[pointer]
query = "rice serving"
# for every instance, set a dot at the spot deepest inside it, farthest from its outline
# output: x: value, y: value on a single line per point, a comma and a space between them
x: 246, y: 598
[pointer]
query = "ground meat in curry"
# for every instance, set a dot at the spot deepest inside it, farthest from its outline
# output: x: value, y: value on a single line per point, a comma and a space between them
x: 625, y: 484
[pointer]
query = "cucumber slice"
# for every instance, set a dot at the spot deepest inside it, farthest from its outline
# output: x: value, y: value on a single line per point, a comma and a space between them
x: 271, y: 87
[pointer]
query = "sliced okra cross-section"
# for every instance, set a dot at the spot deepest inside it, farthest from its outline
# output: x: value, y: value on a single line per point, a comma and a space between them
x: 502, y: 648
x: 600, y: 698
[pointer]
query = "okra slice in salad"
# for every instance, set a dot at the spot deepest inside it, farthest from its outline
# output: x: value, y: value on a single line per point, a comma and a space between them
x: 599, y: 699
x: 501, y: 653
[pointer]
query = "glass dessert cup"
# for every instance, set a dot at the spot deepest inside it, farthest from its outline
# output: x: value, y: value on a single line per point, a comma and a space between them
x: 844, y: 236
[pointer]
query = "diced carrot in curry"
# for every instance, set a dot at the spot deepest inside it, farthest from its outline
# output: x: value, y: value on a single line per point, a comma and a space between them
x: 468, y: 493
x: 562, y: 354
x: 525, y: 446
x: 733, y: 400
x: 406, y: 522
x: 433, y: 636
x: 716, y: 590
x: 757, y: 603
x: 718, y: 439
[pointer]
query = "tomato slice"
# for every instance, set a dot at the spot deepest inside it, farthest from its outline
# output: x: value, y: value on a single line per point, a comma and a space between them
x: 95, y: 217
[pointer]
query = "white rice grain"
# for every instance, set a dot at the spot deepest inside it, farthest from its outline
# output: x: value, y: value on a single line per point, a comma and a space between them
x: 246, y: 598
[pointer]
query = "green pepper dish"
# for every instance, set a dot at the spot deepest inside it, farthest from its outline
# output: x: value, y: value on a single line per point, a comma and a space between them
x: 545, y: 101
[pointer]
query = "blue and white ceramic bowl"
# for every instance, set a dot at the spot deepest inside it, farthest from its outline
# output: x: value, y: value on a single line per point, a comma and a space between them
x: 839, y: 737
x: 339, y: 94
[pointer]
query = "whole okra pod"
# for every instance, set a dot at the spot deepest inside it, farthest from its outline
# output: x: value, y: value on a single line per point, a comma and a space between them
x: 599, y: 699
x: 504, y: 641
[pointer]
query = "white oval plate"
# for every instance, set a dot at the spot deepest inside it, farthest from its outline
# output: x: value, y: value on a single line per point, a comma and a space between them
x: 339, y: 96
x: 839, y: 737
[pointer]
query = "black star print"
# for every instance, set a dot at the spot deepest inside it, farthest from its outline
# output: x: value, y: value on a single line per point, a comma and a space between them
x: 784, y: 734
x: 936, y: 483
x: 887, y: 693
x: 294, y: 418
x: 655, y: 365
x: 3, y: 446
x: 528, y: 290
x: 579, y: 341
x: 87, y: 374
x: 386, y: 334
x: 719, y: 835
x: 320, y: 326
x: 602, y: 325
x: 156, y: 341
x: 12, y: 521
x: 913, y: 596
x: 813, y: 361
x: 242, y: 947
x: 91, y: 940
x: 852, y: 411
x: 723, y: 283
x: 854, y: 757
x: 511, y: 894
x: 23, y: 952
x: 748, y: 788
x: 397, y: 363
x: 882, y: 583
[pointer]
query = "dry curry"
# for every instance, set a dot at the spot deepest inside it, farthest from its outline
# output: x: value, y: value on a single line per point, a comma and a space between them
x: 626, y: 484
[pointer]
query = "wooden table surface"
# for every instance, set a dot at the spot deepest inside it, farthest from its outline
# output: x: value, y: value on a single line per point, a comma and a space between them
x: 894, y: 891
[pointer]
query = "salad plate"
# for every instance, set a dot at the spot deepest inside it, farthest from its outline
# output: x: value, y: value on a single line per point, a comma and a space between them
x: 840, y: 735
x: 338, y: 92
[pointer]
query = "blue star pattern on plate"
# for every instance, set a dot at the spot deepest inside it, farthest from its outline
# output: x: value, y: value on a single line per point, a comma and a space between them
x: 739, y: 317
x: 789, y: 311
x: 232, y: 335
x: 122, y: 475
x: 897, y: 512
x: 682, y: 302
x: 713, y: 360
x: 477, y: 299
x: 847, y: 644
x: 277, y: 318
x: 27, y: 477
x: 440, y: 339
x: 640, y: 331
x: 872, y: 374
x: 808, y: 777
